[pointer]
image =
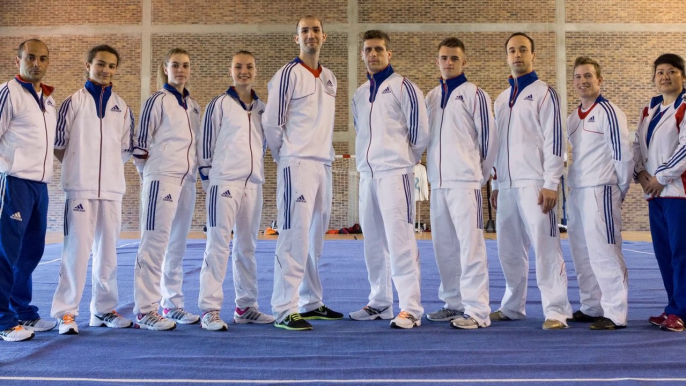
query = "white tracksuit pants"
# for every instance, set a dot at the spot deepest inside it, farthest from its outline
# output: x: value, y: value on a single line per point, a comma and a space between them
x: 166, y: 215
x: 520, y: 224
x: 458, y: 239
x: 390, y: 247
x: 230, y: 207
x: 595, y: 221
x: 89, y: 225
x: 304, y: 192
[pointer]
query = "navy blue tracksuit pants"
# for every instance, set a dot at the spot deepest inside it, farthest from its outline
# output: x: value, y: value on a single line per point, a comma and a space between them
x: 23, y: 222
x: 668, y: 228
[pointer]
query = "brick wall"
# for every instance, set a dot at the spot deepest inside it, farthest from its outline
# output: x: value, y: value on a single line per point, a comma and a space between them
x: 616, y: 33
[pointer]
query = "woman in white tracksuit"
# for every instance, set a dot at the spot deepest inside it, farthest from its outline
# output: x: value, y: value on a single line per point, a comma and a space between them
x: 230, y: 150
x: 164, y: 153
x: 92, y: 141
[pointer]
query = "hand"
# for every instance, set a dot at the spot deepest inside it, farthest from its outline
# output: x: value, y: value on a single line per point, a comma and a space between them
x: 547, y: 199
x: 494, y: 199
x: 643, y: 179
x: 653, y: 187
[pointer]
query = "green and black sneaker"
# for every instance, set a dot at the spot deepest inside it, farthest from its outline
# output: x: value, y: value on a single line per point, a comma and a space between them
x: 322, y: 313
x: 294, y: 322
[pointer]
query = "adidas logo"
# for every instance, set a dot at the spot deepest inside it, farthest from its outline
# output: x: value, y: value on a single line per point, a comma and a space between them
x: 459, y: 98
x: 591, y: 119
x: 79, y: 208
x: 16, y: 216
x: 168, y: 198
x: 195, y: 110
x: 50, y: 103
x: 301, y: 199
x: 115, y: 109
x: 227, y: 194
x: 329, y: 83
x: 387, y: 90
x: 529, y: 98
x: 261, y: 112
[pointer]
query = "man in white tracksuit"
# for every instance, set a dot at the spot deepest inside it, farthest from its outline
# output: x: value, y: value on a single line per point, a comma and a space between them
x: 230, y: 150
x: 298, y: 125
x: 528, y: 168
x: 459, y: 159
x: 93, y: 141
x: 392, y: 133
x: 599, y: 178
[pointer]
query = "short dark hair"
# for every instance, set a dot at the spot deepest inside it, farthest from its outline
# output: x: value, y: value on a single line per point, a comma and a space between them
x: 244, y: 52
x: 22, y: 45
x: 451, y: 42
x: 377, y: 34
x: 582, y: 60
x: 672, y: 59
x: 102, y: 48
x: 521, y: 34
x: 297, y: 25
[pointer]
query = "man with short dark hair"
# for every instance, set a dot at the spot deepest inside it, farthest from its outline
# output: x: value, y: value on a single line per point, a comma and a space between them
x: 528, y: 168
x: 459, y: 159
x: 392, y: 133
x: 27, y: 135
x: 599, y: 178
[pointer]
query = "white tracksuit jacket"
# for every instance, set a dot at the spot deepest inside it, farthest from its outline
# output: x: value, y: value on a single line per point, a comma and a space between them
x: 390, y: 141
x: 463, y: 142
x: 233, y: 155
x: 601, y: 151
x: 664, y: 154
x: 88, y: 167
x: 168, y: 152
x: 26, y: 146
x: 531, y: 142
x: 294, y: 127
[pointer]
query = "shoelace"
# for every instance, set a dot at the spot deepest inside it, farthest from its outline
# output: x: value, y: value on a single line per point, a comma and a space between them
x: 67, y: 319
x: 407, y: 315
x: 110, y: 316
x: 177, y: 313
x: 213, y: 316
x: 151, y: 318
x: 16, y: 328
x: 373, y: 311
x: 295, y: 317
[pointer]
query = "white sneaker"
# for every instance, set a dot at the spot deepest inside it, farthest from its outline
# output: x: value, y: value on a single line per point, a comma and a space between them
x: 211, y: 321
x: 180, y: 315
x: 405, y: 320
x: 38, y: 325
x: 16, y: 334
x: 466, y: 322
x: 68, y: 325
x: 153, y: 321
x: 111, y: 320
x: 252, y: 315
x: 444, y: 315
x: 371, y: 313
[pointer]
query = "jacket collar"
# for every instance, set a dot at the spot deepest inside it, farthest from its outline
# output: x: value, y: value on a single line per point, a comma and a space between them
x: 448, y: 85
x: 375, y: 80
x: 47, y: 90
x: 232, y: 93
x: 99, y: 92
x: 179, y: 98
x: 516, y: 86
x: 656, y: 100
x: 315, y: 72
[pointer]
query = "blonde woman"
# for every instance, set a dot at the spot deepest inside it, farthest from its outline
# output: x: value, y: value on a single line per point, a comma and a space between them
x: 164, y: 153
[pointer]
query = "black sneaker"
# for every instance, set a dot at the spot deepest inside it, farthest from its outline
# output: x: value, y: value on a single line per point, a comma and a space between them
x: 579, y: 316
x: 294, y: 322
x: 322, y: 313
x: 605, y: 324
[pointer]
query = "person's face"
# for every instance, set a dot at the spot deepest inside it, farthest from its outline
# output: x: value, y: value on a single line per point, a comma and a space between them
x: 375, y: 55
x: 178, y: 70
x: 103, y: 68
x: 310, y: 36
x: 450, y: 61
x: 520, y: 59
x: 34, y: 61
x: 668, y: 79
x: 586, y: 81
x: 243, y: 70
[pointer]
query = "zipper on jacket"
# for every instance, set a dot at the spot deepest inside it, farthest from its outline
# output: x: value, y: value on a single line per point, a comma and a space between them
x: 188, y: 152
x: 369, y: 145
x: 102, y: 92
x: 440, y: 135
x: 250, y: 146
x: 509, y: 121
x: 45, y: 159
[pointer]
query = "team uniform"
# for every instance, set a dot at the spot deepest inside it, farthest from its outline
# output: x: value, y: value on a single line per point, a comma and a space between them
x: 660, y: 150
x: 531, y: 146
x: 392, y: 133
x: 27, y: 136
x: 298, y: 126
x: 230, y: 150
x: 599, y: 178
x: 164, y: 151
x: 460, y: 156
x: 94, y: 128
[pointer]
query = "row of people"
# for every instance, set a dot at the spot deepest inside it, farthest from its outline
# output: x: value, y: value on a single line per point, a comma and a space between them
x: 394, y: 126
